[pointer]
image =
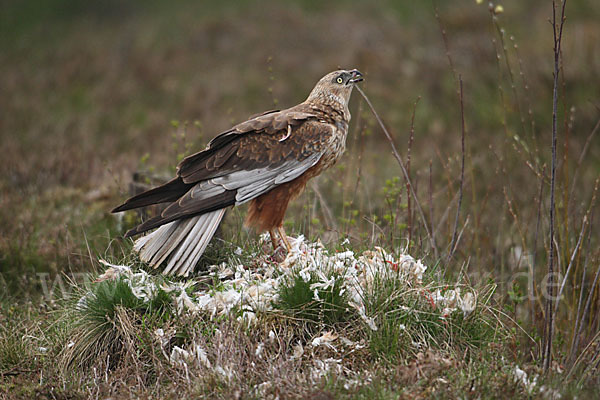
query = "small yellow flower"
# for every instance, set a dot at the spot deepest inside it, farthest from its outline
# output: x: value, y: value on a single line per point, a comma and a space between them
x: 499, y: 9
x: 478, y: 1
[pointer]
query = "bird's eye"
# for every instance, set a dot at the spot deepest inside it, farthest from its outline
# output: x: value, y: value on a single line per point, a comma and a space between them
x: 339, y: 80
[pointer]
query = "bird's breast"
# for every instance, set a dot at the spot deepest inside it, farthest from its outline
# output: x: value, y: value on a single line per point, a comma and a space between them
x: 336, y: 144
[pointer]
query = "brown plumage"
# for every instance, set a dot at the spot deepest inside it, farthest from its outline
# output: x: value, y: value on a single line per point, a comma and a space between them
x: 266, y: 160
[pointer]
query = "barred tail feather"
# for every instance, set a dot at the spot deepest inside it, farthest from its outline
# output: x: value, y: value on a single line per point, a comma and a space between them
x: 182, y: 242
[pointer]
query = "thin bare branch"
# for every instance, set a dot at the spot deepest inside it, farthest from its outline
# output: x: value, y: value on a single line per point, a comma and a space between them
x: 462, y: 171
x: 534, y: 257
x: 409, y: 212
x: 399, y: 159
x: 549, y: 326
x: 581, y: 310
x: 564, y: 281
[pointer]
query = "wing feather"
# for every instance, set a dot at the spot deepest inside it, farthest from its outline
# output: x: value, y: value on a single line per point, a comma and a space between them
x: 238, y: 188
x: 244, y: 163
x: 230, y: 146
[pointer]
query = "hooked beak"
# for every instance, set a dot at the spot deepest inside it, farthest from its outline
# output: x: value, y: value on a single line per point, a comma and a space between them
x: 357, y: 76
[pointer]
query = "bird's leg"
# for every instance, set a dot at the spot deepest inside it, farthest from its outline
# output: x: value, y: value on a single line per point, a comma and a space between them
x: 283, y: 237
x: 274, y: 241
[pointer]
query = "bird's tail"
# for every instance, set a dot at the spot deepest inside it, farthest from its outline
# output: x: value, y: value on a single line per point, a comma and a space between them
x: 181, y: 242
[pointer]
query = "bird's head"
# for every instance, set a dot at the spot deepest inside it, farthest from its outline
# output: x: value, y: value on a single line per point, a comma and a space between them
x: 335, y: 87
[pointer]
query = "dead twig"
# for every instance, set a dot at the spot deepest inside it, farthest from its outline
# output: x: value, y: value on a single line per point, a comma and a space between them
x: 582, y: 313
x: 549, y: 325
x: 534, y: 256
x: 462, y: 172
x: 399, y: 159
x: 409, y: 212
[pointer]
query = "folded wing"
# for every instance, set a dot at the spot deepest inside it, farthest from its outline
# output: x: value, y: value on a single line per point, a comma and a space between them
x: 237, y: 166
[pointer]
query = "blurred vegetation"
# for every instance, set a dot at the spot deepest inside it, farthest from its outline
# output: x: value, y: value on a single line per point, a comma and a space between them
x: 93, y: 91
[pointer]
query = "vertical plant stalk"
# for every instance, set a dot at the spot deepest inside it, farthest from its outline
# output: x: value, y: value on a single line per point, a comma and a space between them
x: 401, y: 163
x: 446, y: 46
x: 567, y: 123
x: 360, y: 138
x: 580, y: 320
x: 462, y: 171
x: 431, y: 196
x: 580, y: 331
x: 549, y: 314
x: 564, y: 281
x: 458, y: 80
x: 501, y: 35
x: 408, y: 202
x: 531, y: 286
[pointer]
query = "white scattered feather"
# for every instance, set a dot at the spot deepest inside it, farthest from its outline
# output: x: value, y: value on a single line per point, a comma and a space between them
x: 201, y: 356
x: 298, y: 351
x: 183, y: 358
x: 467, y: 303
x: 225, y: 372
x: 260, y: 390
x: 248, y: 291
x: 325, y: 340
x: 322, y: 368
x: 113, y: 271
x: 259, y: 349
x: 179, y: 357
x: 184, y: 302
x: 549, y: 393
x: 520, y: 376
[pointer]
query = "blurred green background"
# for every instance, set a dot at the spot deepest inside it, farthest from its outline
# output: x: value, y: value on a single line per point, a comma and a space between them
x: 92, y: 91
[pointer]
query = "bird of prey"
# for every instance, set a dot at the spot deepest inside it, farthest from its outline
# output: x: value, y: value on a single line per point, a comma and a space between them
x: 266, y: 160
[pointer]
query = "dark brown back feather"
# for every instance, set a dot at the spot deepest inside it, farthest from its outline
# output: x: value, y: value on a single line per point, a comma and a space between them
x: 205, y: 164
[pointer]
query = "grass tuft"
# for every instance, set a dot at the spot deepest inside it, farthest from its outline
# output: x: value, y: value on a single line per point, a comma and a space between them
x: 106, y: 319
x: 300, y: 299
x: 433, y: 316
